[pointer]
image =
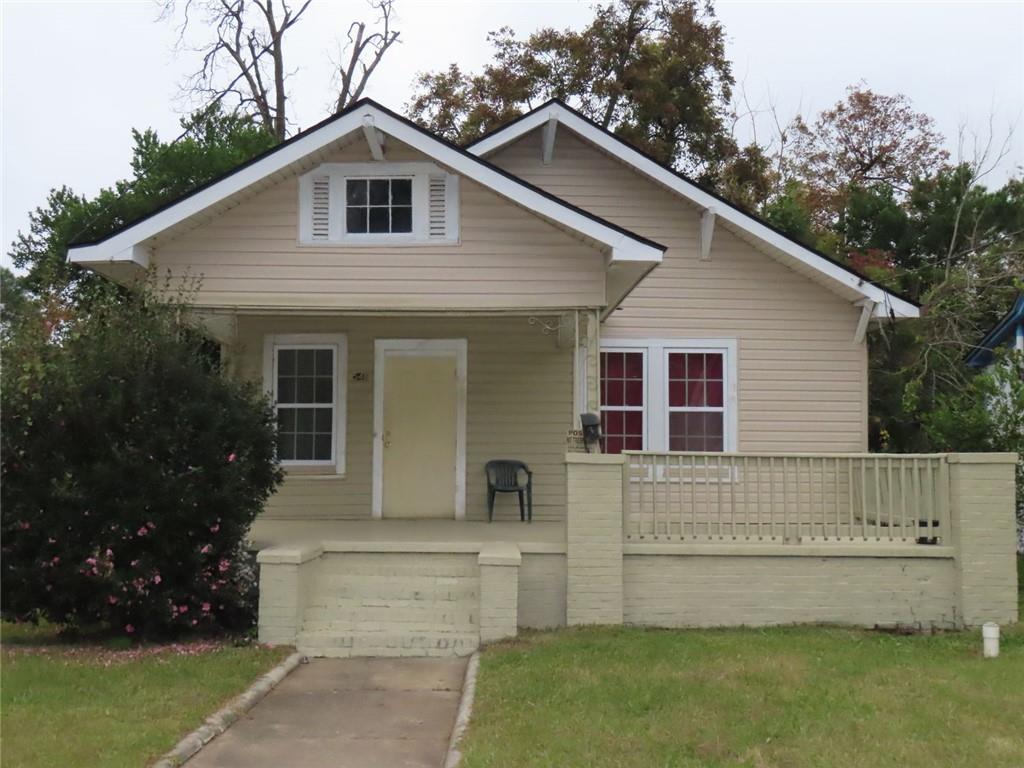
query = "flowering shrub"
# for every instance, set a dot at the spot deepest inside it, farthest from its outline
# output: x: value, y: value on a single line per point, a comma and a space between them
x: 132, y: 469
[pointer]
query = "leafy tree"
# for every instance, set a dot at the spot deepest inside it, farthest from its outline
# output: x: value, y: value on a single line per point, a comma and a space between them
x: 131, y: 471
x: 653, y: 72
x: 865, y: 140
x: 212, y: 144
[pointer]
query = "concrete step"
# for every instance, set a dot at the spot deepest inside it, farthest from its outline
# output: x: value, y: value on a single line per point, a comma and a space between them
x: 388, y: 643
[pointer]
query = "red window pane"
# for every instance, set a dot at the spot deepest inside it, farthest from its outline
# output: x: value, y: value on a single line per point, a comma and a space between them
x: 612, y: 444
x: 633, y: 423
x: 612, y: 422
x: 714, y: 366
x: 676, y: 366
x: 615, y: 364
x: 634, y: 365
x: 615, y: 392
x: 695, y: 394
x: 695, y: 432
x: 635, y: 392
x: 694, y: 366
x: 634, y: 443
x: 715, y: 394
x: 676, y: 392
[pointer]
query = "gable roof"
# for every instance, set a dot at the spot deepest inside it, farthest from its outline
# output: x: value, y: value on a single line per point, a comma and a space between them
x: 1005, y: 331
x: 127, y: 245
x: 776, y: 243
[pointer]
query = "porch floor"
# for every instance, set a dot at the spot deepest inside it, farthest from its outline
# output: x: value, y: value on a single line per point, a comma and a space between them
x: 407, y: 535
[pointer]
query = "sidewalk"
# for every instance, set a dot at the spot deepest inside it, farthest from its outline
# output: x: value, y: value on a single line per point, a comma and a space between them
x: 347, y: 713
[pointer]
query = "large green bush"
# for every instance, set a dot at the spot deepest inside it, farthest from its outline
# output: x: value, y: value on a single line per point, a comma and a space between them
x: 132, y: 469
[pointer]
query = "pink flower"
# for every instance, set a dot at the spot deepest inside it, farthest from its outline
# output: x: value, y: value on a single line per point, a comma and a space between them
x: 129, y: 629
x: 134, y: 563
x: 142, y: 531
x: 182, y: 609
x: 90, y: 561
x: 56, y: 560
x: 151, y: 526
x: 156, y: 578
x: 23, y: 525
x: 215, y: 527
x: 110, y: 553
x: 223, y: 565
x: 231, y: 457
x: 206, y: 549
x: 206, y: 607
x: 112, y: 600
x: 194, y: 622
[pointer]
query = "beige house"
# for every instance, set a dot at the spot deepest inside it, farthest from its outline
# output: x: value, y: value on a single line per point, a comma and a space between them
x: 416, y: 309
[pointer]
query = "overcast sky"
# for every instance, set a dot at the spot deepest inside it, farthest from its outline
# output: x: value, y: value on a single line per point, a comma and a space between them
x: 77, y: 76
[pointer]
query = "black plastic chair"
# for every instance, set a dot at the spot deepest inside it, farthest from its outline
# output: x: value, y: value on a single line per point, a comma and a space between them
x: 503, y: 476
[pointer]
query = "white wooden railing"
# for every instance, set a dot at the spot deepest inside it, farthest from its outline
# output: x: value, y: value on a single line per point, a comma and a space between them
x: 785, y: 498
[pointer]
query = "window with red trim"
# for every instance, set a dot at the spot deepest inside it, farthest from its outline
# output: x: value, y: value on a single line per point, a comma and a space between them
x: 622, y: 401
x: 696, y: 405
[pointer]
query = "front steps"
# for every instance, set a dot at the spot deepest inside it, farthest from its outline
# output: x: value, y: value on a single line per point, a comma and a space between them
x: 392, y: 604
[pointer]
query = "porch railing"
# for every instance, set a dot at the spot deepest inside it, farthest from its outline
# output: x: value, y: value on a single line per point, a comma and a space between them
x: 785, y: 498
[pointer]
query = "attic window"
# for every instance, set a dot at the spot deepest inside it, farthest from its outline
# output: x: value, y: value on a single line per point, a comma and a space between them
x: 378, y: 206
x: 385, y: 203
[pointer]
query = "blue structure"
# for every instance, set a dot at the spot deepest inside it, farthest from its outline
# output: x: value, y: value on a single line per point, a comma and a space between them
x: 1007, y: 332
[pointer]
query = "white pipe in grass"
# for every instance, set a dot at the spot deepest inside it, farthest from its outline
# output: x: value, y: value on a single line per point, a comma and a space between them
x: 990, y: 639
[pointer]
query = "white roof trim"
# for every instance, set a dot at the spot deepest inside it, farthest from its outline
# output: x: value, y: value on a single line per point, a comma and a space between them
x: 884, y: 300
x: 623, y: 246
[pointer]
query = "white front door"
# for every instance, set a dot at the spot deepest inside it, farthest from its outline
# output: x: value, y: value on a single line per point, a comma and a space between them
x: 419, y: 425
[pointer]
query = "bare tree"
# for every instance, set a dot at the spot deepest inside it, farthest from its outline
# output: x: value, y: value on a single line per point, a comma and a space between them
x: 364, y: 53
x: 243, y: 59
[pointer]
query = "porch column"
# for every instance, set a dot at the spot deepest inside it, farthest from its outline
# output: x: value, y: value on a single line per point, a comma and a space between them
x: 594, y: 538
x: 285, y: 576
x: 499, y: 591
x: 982, y: 505
x: 593, y: 340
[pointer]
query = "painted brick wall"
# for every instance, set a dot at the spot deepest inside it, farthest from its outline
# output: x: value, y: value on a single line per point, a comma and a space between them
x: 542, y: 591
x: 984, y: 531
x: 594, y: 539
x: 707, y: 591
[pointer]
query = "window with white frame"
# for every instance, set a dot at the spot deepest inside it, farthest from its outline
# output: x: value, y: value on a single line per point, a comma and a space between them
x: 668, y: 395
x: 622, y: 399
x: 305, y: 376
x: 378, y: 203
x: 378, y: 206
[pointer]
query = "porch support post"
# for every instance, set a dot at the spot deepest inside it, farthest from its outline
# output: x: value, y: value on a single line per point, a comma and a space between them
x: 982, y: 501
x: 593, y: 538
x: 499, y: 591
x: 593, y: 342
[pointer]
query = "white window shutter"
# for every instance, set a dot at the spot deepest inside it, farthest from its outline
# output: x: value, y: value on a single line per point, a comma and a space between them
x: 442, y: 207
x: 320, y: 208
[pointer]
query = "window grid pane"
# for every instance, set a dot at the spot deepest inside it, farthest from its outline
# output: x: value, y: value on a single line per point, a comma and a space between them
x: 696, y: 405
x: 305, y: 404
x: 622, y: 401
x: 378, y: 206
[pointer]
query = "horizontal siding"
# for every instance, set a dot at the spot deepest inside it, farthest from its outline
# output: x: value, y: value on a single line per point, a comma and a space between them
x: 802, y: 380
x: 507, y: 257
x: 519, y: 406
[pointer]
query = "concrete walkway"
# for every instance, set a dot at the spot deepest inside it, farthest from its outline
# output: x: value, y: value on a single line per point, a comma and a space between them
x: 347, y: 713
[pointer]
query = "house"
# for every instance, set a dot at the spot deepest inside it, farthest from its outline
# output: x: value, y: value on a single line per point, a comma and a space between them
x: 1008, y: 332
x: 416, y: 309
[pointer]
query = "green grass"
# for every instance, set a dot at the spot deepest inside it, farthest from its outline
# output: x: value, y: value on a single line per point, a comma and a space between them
x: 94, y: 704
x: 793, y: 697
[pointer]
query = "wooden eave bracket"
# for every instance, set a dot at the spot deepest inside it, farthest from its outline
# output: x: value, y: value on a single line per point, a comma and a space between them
x: 548, y: 148
x: 867, y: 310
x: 707, y: 233
x: 374, y: 138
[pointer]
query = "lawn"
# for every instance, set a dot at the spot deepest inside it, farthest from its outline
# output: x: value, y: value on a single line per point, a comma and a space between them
x: 90, y: 705
x: 793, y: 697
